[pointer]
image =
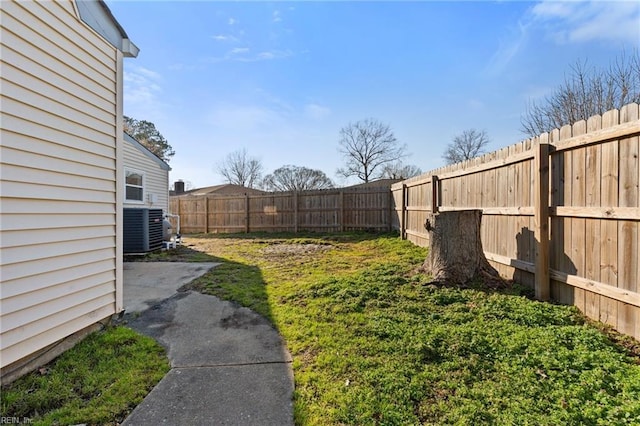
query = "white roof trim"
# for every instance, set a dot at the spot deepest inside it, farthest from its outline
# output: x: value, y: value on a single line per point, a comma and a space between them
x: 96, y: 14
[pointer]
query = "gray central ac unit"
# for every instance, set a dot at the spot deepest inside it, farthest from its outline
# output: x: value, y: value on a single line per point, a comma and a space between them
x: 142, y: 230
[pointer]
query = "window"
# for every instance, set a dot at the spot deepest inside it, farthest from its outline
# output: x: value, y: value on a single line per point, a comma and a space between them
x: 134, y: 186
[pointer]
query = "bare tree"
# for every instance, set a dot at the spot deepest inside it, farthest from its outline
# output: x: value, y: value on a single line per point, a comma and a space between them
x: 399, y: 170
x: 368, y: 146
x: 240, y: 169
x: 466, y: 146
x: 295, y: 178
x: 586, y: 91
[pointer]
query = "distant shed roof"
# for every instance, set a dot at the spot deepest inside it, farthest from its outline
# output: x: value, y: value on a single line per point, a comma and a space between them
x: 376, y: 183
x: 224, y: 189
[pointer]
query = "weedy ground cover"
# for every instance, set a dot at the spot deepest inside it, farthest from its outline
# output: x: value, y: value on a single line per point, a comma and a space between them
x: 374, y: 343
x: 98, y: 382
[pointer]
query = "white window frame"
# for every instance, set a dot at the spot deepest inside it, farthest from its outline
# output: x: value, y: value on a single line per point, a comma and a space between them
x: 144, y: 192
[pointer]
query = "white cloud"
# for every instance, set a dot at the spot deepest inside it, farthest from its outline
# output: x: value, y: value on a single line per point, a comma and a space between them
x: 274, y: 101
x: 148, y: 74
x: 580, y: 22
x: 243, y: 55
x: 567, y: 22
x: 276, y: 16
x: 142, y: 93
x: 553, y: 9
x: 225, y: 38
x: 179, y: 66
x: 266, y: 55
x: 243, y: 117
x: 537, y: 93
x: 316, y: 112
x: 475, y: 104
x: 508, y: 49
x: 274, y: 54
x: 232, y: 21
x: 239, y: 51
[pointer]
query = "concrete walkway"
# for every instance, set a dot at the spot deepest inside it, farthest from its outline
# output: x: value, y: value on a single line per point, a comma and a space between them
x: 229, y: 366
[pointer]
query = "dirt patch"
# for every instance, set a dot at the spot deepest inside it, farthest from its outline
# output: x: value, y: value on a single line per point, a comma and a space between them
x: 280, y: 250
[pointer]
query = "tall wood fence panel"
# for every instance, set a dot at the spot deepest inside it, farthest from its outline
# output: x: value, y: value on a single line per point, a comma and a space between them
x: 561, y: 212
x: 312, y: 211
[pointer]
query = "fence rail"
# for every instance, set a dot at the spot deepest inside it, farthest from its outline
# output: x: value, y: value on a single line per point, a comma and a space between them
x: 561, y: 213
x: 315, y: 211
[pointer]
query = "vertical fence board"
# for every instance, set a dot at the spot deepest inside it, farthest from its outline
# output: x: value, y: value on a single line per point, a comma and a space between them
x: 510, y: 220
x: 592, y: 204
x: 578, y: 225
x: 628, y: 230
x: 566, y: 294
x: 403, y: 209
x: 609, y: 228
x: 317, y: 211
x: 541, y: 219
x: 557, y: 199
x: 517, y: 248
x: 592, y: 227
x: 531, y: 220
x: 502, y: 201
x: 527, y: 226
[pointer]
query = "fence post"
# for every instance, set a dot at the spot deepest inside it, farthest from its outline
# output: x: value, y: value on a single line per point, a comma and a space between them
x: 541, y: 217
x: 206, y: 214
x: 295, y: 211
x: 435, y: 189
x: 246, y: 213
x: 342, y: 211
x: 390, y: 210
x: 403, y: 213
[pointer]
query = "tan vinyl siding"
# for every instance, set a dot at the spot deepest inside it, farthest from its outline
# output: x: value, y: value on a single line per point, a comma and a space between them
x: 63, y: 78
x: 62, y: 41
x: 156, y: 179
x: 61, y: 103
x: 33, y: 285
x: 60, y: 331
x: 59, y: 170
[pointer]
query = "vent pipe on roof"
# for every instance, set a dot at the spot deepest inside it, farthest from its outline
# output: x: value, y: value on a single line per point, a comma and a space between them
x: 178, y: 187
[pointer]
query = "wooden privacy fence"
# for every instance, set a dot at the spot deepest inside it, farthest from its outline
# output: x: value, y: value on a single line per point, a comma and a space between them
x: 315, y: 211
x: 561, y: 213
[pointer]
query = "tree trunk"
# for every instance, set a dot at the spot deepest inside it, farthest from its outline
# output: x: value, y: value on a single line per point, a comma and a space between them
x: 455, y: 253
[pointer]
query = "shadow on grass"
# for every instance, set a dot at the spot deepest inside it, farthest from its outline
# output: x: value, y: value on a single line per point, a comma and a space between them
x: 179, y: 254
x: 243, y: 283
x: 236, y: 282
x: 232, y: 281
x: 239, y: 278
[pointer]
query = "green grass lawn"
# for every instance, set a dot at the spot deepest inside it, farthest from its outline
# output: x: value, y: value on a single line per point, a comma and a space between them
x: 374, y: 343
x: 97, y: 382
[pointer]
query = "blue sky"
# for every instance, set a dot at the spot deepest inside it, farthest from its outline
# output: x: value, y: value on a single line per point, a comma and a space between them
x: 282, y: 78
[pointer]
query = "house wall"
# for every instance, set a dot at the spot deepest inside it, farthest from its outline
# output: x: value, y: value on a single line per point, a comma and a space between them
x: 156, y: 177
x: 60, y: 218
